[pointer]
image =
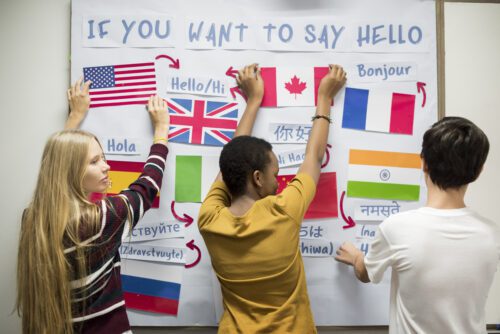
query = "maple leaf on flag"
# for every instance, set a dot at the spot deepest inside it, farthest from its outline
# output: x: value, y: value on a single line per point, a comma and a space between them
x: 295, y: 86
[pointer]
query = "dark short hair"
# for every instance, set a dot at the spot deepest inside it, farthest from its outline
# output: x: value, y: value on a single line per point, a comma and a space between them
x: 240, y: 158
x: 454, y: 151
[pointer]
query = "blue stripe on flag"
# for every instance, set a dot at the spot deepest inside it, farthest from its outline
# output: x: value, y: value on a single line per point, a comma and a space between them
x: 355, y: 105
x: 212, y: 105
x: 151, y: 287
x: 186, y: 103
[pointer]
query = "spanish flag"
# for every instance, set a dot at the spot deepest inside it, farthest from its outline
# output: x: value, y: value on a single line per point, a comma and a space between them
x: 124, y: 173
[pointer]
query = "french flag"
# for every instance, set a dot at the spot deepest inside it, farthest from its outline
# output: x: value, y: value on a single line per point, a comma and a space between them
x: 151, y: 287
x: 291, y: 86
x: 378, y: 110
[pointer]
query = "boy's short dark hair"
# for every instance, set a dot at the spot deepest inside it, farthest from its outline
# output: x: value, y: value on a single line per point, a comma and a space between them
x: 454, y: 150
x: 240, y: 158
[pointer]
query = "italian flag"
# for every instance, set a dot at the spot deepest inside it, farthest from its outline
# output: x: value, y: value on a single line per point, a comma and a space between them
x: 291, y: 86
x: 194, y: 175
x: 384, y: 175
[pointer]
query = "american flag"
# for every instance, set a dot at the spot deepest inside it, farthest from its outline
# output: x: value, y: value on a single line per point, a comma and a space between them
x: 201, y: 121
x: 118, y: 85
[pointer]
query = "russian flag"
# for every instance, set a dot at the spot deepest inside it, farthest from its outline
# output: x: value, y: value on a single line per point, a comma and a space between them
x: 291, y: 86
x: 151, y: 287
x: 381, y: 111
x: 123, y: 173
x: 324, y: 203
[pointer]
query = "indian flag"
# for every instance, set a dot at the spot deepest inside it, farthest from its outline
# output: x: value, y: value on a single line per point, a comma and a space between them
x: 194, y: 174
x: 386, y: 175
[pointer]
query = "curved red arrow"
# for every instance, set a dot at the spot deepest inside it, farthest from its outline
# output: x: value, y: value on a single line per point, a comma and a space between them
x: 236, y: 89
x: 192, y: 246
x: 175, y: 62
x: 231, y: 73
x: 327, y: 151
x: 421, y: 88
x: 186, y: 219
x: 350, y: 222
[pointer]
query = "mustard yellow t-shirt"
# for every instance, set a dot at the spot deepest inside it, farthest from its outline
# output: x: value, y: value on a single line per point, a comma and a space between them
x: 257, y: 260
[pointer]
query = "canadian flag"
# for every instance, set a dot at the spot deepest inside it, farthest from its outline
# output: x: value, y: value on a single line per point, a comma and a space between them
x: 291, y: 86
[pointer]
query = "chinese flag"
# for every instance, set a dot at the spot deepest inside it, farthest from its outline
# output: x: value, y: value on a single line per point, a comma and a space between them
x: 324, y: 204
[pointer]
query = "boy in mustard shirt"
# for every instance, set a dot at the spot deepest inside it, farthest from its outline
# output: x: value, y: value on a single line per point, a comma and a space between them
x: 251, y: 233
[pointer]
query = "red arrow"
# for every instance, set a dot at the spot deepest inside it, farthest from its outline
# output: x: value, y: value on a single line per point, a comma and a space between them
x: 186, y: 219
x: 327, y: 151
x: 192, y: 246
x: 350, y: 222
x: 231, y: 73
x: 175, y: 62
x: 236, y: 89
x: 421, y: 87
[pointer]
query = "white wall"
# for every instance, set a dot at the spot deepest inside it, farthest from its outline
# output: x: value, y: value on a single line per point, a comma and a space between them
x: 472, y: 44
x: 34, y: 42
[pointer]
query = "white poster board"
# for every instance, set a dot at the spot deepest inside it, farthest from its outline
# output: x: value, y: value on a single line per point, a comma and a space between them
x: 189, y: 50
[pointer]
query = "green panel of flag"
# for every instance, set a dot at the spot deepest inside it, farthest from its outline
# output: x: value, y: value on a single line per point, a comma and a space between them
x: 188, y: 178
x: 392, y: 191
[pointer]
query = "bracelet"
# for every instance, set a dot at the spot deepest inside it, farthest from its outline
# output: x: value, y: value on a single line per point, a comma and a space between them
x: 156, y: 140
x: 323, y: 117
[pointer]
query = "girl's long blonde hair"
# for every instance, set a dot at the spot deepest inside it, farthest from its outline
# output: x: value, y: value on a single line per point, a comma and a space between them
x: 51, y: 223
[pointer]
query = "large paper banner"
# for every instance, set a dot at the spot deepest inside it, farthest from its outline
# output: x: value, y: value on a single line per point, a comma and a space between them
x: 291, y: 86
x: 123, y: 173
x: 378, y: 110
x: 194, y: 175
x: 324, y: 204
x: 385, y: 175
x: 118, y: 85
x: 202, y: 122
x: 152, y: 287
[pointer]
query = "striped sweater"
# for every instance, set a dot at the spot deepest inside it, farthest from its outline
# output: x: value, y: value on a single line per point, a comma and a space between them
x: 97, y: 299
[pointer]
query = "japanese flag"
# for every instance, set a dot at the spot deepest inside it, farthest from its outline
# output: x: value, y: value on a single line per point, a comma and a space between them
x: 291, y: 86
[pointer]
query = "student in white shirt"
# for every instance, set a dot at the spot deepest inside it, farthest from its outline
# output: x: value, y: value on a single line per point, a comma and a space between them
x: 444, y: 255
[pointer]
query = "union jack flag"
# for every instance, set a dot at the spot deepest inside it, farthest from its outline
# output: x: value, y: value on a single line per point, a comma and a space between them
x: 119, y: 85
x: 202, y: 122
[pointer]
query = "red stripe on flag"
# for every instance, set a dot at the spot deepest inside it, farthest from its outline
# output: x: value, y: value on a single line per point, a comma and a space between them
x: 118, y: 91
x: 142, y: 83
x: 151, y: 303
x: 319, y: 73
x: 135, y: 71
x: 120, y: 97
x: 221, y: 109
x: 223, y: 136
x: 126, y: 166
x: 173, y: 134
x: 402, y: 113
x: 270, y: 98
x: 117, y: 104
x: 136, y: 77
x: 134, y: 65
x: 174, y: 107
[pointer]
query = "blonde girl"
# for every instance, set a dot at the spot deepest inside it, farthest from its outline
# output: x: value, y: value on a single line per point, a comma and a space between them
x: 68, y: 262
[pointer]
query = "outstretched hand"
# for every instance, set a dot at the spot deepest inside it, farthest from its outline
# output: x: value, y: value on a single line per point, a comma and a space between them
x: 251, y: 83
x: 79, y: 103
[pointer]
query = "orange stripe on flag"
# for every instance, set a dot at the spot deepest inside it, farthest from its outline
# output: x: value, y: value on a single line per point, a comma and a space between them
x: 383, y: 158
